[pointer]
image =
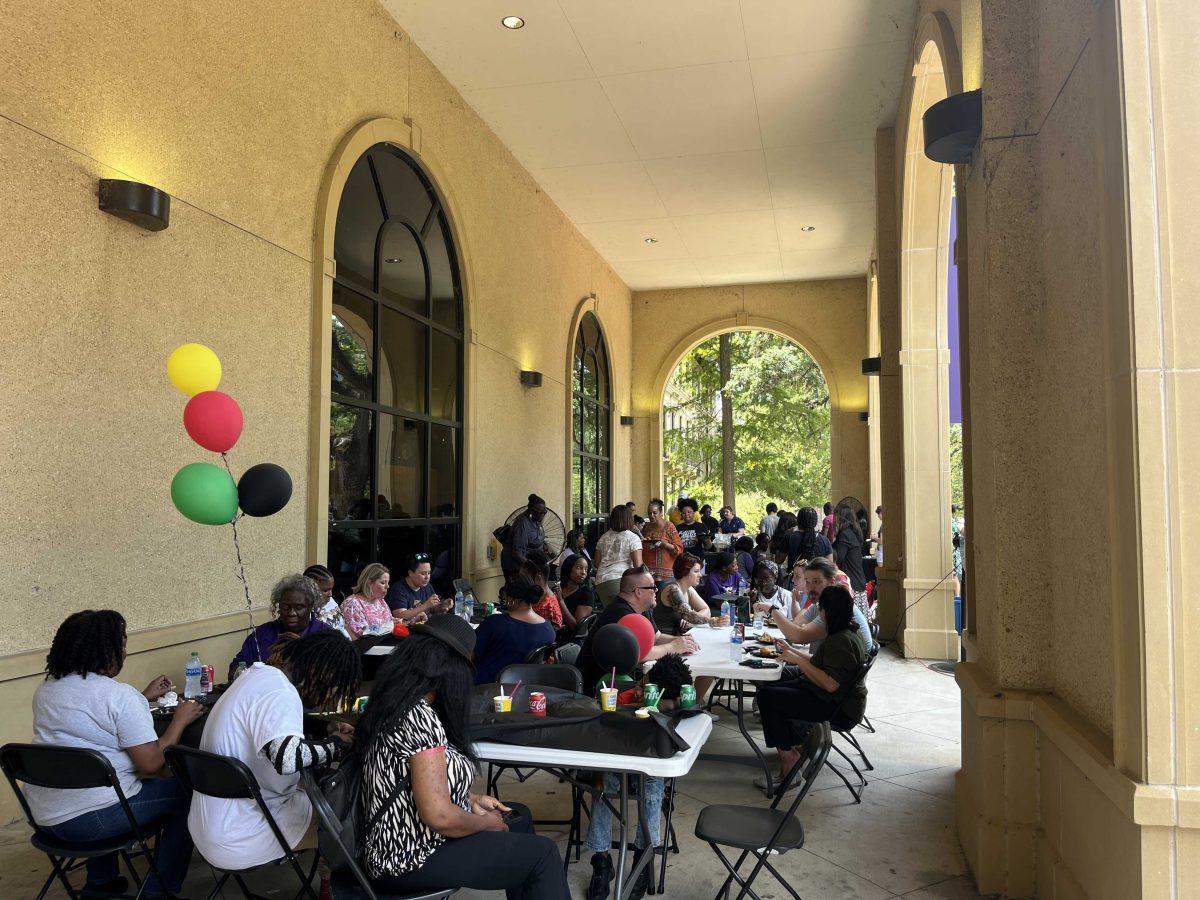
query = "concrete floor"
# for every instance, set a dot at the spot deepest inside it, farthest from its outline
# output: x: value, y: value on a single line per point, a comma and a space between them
x: 900, y: 841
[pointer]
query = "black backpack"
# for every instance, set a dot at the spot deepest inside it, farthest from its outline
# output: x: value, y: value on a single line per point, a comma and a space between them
x: 341, y: 792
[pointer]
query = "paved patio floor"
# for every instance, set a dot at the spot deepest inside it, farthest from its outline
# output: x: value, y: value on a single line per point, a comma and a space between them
x: 900, y: 841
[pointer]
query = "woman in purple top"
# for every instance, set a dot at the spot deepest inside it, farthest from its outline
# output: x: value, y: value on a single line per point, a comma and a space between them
x: 293, y: 600
x: 724, y: 579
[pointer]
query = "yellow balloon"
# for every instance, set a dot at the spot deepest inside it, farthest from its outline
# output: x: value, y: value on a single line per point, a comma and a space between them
x: 194, y: 368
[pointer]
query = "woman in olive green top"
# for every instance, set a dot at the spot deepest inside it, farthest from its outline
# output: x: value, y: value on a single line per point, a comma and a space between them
x: 788, y: 707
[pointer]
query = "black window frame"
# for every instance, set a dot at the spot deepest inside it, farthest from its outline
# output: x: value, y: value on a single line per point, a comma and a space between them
x: 432, y: 525
x: 593, y: 524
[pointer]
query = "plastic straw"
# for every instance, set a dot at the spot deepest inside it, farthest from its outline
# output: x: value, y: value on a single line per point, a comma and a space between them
x: 515, y: 686
x: 613, y: 683
x: 501, y: 690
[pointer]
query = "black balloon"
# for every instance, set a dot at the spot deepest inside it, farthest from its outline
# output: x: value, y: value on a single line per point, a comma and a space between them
x: 264, y: 490
x: 615, y: 645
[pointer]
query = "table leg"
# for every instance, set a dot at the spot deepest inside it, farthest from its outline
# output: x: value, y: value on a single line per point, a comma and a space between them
x: 669, y: 794
x: 622, y: 837
x: 741, y: 717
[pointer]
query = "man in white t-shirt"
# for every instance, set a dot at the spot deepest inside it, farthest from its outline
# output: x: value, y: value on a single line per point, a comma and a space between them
x: 768, y: 523
x: 260, y: 721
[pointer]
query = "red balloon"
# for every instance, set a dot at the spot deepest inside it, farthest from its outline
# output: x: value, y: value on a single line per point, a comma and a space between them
x: 642, y: 630
x: 213, y: 420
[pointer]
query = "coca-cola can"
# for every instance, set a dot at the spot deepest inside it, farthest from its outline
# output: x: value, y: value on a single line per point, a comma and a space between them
x: 537, y: 703
x: 740, y: 630
x: 206, y: 679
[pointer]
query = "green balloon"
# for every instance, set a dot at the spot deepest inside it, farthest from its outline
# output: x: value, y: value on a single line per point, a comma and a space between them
x: 205, y: 493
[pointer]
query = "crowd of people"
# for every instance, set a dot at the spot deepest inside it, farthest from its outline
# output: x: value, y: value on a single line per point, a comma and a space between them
x: 424, y: 827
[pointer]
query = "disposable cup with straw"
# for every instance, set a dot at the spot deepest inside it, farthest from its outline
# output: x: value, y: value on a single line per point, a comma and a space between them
x: 608, y: 695
x: 503, y: 703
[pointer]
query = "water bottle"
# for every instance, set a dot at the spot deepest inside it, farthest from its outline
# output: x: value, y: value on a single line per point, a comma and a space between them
x: 239, y: 672
x: 726, y: 613
x: 468, y: 606
x: 192, y: 673
x: 458, y: 603
x: 735, y: 644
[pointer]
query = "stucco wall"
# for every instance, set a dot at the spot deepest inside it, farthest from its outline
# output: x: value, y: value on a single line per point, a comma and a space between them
x: 827, y: 318
x: 235, y: 109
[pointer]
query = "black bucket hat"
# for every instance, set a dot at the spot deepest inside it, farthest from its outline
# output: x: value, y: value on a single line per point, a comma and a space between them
x: 452, y: 631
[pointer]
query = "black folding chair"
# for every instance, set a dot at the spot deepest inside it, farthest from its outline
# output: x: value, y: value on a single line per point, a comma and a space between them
x: 76, y: 768
x: 843, y: 726
x: 349, y: 882
x: 539, y: 655
x: 231, y: 779
x: 760, y: 832
x: 558, y: 675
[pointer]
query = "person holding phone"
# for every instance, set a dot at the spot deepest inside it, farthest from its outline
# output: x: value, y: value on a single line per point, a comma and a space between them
x: 661, y: 544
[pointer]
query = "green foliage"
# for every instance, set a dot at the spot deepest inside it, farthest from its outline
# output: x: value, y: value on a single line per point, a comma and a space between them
x: 781, y: 425
x: 956, y: 465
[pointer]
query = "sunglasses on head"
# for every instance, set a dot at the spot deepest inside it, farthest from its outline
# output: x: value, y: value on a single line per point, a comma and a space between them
x: 421, y: 557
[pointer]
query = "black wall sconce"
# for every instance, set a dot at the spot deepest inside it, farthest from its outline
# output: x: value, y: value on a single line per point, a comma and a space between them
x: 952, y: 127
x: 626, y: 420
x: 864, y: 417
x: 872, y: 365
x: 143, y: 205
x: 530, y: 378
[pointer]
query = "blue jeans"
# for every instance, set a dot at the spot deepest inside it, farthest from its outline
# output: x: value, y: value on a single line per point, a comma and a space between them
x: 599, y: 836
x: 160, y: 799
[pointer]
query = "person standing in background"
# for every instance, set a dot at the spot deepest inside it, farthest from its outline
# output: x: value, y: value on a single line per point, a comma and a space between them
x: 829, y: 524
x: 768, y: 523
x: 525, y: 536
x: 660, y: 544
x: 707, y: 520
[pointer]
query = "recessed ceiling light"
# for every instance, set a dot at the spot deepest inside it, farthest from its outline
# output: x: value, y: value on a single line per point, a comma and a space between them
x: 393, y: 259
x: 808, y: 228
x: 651, y: 240
x: 513, y: 22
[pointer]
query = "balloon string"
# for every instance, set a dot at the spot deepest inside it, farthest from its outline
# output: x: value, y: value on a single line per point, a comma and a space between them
x: 241, y: 570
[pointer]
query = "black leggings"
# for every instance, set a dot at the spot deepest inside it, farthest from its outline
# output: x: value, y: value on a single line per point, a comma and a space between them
x: 524, y: 864
x: 787, y: 708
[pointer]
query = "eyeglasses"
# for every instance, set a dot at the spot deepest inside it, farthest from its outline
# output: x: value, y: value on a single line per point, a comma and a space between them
x: 644, y: 587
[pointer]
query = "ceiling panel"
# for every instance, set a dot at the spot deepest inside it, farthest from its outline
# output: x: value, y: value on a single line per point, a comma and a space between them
x: 607, y: 192
x: 626, y: 241
x: 800, y: 265
x: 719, y: 182
x: 688, y: 111
x: 723, y: 234
x: 663, y: 34
x: 648, y: 275
x: 780, y: 27
x: 839, y: 225
x: 567, y: 123
x: 822, y: 174
x: 473, y: 50
x: 740, y: 269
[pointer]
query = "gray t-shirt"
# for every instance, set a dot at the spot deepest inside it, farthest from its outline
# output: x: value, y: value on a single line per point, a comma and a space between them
x: 94, y: 712
x: 860, y: 621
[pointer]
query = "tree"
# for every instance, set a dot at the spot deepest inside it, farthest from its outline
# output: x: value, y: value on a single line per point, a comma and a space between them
x: 724, y: 364
x: 780, y: 423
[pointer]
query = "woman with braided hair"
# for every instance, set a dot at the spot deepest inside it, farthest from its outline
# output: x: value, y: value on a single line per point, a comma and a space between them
x: 260, y: 721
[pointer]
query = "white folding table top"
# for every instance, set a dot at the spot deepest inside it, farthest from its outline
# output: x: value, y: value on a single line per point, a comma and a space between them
x: 713, y: 658
x: 694, y: 730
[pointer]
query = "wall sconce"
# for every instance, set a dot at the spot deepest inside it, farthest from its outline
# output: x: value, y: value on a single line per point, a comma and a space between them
x: 872, y: 365
x: 864, y: 417
x: 952, y: 127
x: 530, y: 378
x: 143, y: 205
x: 626, y: 420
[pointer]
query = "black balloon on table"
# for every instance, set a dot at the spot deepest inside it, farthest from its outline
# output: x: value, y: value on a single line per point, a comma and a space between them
x: 264, y: 490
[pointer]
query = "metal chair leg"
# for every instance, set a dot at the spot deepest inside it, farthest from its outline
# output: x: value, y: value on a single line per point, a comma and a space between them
x: 857, y: 746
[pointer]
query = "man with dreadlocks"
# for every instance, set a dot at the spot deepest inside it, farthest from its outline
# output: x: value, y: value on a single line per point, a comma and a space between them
x: 260, y: 721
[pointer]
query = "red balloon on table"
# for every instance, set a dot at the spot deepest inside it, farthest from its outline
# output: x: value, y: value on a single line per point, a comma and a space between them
x: 213, y: 420
x: 642, y: 630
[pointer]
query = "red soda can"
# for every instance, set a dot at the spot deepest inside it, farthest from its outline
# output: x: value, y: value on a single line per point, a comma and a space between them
x: 206, y: 679
x: 537, y: 703
x: 740, y: 630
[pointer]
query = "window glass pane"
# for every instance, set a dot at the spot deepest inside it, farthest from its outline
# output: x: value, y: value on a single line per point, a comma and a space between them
x: 358, y: 222
x: 577, y: 423
x: 406, y: 196
x: 577, y: 373
x: 402, y: 367
x: 401, y: 468
x: 353, y: 343
x: 443, y: 547
x: 589, y: 375
x: 588, y: 331
x: 443, y: 392
x: 443, y: 471
x: 601, y: 376
x: 396, y: 544
x: 350, y: 549
x: 349, y: 462
x: 443, y: 280
x: 589, y: 428
x: 589, y: 487
x: 576, y: 486
x: 401, y: 269
x: 601, y: 432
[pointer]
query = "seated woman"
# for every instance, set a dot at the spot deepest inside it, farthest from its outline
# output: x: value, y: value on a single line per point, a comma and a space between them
x: 767, y: 595
x: 424, y: 829
x: 504, y: 640
x: 81, y: 705
x: 413, y: 596
x: 293, y: 600
x: 743, y: 549
x: 577, y: 599
x: 327, y: 610
x: 670, y: 673
x: 808, y: 627
x: 366, y: 611
x: 548, y: 607
x: 679, y: 603
x: 724, y: 577
x: 576, y: 545
x: 789, y: 707
x: 260, y: 721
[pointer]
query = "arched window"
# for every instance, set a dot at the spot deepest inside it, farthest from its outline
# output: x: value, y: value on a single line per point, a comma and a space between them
x: 591, y: 408
x: 395, y: 435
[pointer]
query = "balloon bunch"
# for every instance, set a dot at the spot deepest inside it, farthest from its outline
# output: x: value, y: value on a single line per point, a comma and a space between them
x: 203, y: 492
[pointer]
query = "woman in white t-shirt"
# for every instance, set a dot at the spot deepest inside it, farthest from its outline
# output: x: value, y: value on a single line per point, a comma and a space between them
x: 80, y: 705
x: 260, y: 721
x: 768, y: 595
x: 618, y: 549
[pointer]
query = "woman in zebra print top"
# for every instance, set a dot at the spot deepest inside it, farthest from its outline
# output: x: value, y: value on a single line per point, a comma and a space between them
x: 423, y: 828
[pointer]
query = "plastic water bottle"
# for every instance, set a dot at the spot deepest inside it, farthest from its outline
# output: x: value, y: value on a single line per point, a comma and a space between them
x: 458, y: 603
x: 241, y: 670
x: 726, y: 613
x: 735, y: 644
x: 191, y: 680
x: 468, y: 606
